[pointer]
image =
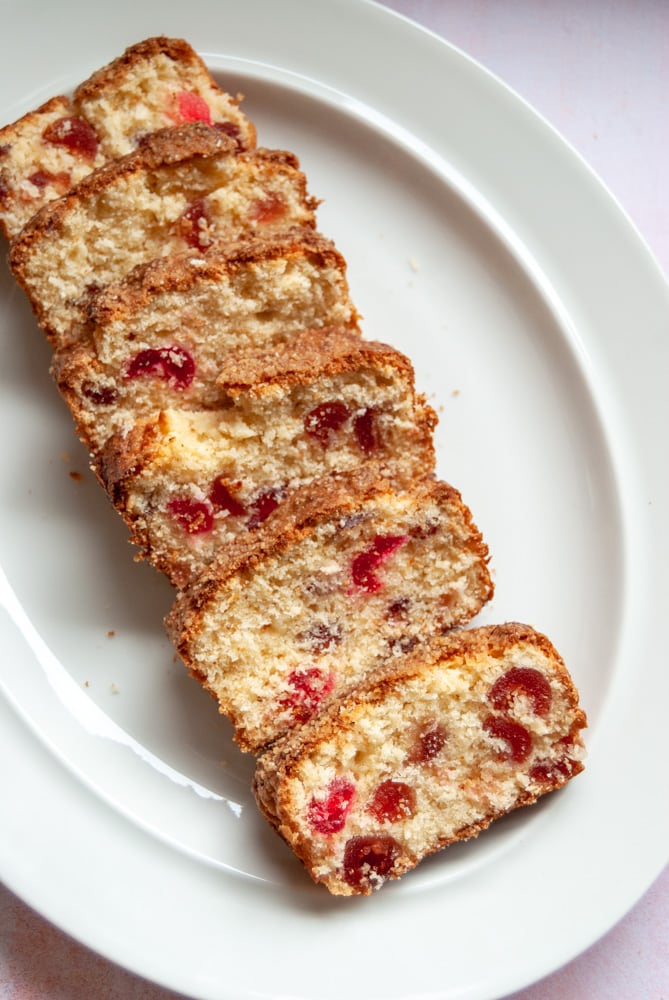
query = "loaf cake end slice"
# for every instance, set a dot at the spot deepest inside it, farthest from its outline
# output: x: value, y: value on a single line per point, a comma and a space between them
x: 427, y: 752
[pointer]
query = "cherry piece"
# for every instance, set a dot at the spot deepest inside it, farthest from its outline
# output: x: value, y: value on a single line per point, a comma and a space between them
x: 194, y: 225
x: 42, y: 178
x: 191, y: 108
x: 403, y: 644
x: 430, y: 741
x: 194, y: 516
x: 222, y: 499
x: 392, y: 801
x: 364, y: 564
x: 365, y: 430
x: 551, y: 772
x: 101, y: 395
x: 232, y: 130
x: 268, y: 209
x: 517, y: 738
x: 263, y: 505
x: 325, y: 419
x: 521, y: 680
x: 368, y: 860
x: 322, y: 637
x: 172, y: 364
x: 398, y: 611
x: 75, y: 134
x: 310, y: 686
x: 329, y: 815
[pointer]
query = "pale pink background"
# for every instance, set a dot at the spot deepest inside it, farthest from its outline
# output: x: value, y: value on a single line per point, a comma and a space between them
x: 598, y: 70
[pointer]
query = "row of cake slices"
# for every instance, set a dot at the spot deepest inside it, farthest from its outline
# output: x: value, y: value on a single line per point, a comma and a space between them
x: 279, y: 469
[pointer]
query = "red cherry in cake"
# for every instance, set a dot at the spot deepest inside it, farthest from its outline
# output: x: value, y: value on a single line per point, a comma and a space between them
x: 366, y: 433
x: 398, y: 611
x: 172, y: 364
x: 517, y: 738
x: 195, y: 224
x: 325, y: 419
x: 392, y: 801
x: 193, y: 516
x: 263, y: 505
x: 369, y: 859
x: 73, y: 133
x: 321, y: 637
x: 430, y: 741
x: 268, y: 209
x: 329, y: 814
x: 189, y: 107
x: 42, y: 178
x: 309, y: 687
x: 101, y: 395
x: 521, y: 680
x: 232, y: 130
x: 222, y: 499
x: 552, y: 772
x: 364, y: 564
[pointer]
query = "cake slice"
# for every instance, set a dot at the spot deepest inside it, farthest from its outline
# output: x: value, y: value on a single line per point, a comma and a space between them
x: 428, y: 751
x: 157, y: 339
x: 155, y: 84
x: 349, y: 573
x: 188, y: 481
x: 184, y: 188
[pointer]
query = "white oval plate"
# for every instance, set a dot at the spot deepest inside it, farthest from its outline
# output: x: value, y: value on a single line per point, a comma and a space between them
x: 537, y: 321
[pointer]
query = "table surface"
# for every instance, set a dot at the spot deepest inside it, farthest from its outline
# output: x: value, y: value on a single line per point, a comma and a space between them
x: 599, y: 73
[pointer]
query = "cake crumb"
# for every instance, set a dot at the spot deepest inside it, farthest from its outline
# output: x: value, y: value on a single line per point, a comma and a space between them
x: 456, y: 392
x: 114, y: 688
x: 111, y: 633
x: 413, y: 263
x: 77, y: 476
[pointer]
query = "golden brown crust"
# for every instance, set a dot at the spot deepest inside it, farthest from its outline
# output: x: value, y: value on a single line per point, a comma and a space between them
x: 113, y: 74
x: 121, y: 300
x: 310, y: 355
x: 8, y: 133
